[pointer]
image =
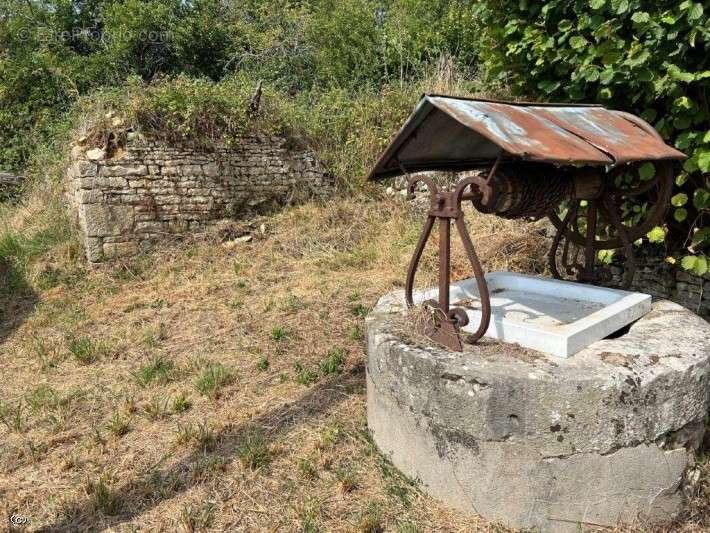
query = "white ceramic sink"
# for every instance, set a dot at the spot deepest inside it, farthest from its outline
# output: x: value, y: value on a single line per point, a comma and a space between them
x: 556, y: 317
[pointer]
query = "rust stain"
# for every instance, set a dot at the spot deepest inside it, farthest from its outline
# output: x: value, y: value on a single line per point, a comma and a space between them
x: 555, y: 133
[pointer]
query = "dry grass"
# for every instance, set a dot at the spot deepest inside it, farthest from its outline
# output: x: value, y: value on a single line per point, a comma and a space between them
x: 228, y: 392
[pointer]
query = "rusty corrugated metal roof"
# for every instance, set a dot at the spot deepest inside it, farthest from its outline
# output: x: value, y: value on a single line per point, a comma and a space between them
x: 448, y: 133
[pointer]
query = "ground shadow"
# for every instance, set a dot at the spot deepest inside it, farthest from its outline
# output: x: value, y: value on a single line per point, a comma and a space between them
x: 147, y: 490
x: 17, y: 299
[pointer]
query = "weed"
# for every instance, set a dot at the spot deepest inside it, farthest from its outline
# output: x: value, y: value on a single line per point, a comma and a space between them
x: 293, y: 303
x: 206, y: 467
x: 43, y: 397
x: 102, y: 498
x: 158, y: 304
x: 283, y: 377
x: 331, y: 436
x: 360, y: 310
x: 307, y: 469
x: 157, y: 408
x: 303, y: 375
x: 263, y: 364
x: 346, y: 478
x: 200, y: 434
x: 181, y: 403
x: 194, y: 518
x: 408, y: 527
x: 354, y: 297
x: 371, y: 518
x: 96, y: 437
x: 235, y: 304
x: 118, y: 425
x: 332, y: 363
x: 308, y: 513
x: 213, y: 379
x: 356, y: 333
x: 154, y: 335
x: 85, y: 350
x: 48, y: 356
x: 12, y: 416
x: 157, y: 370
x: 400, y: 492
x: 278, y: 333
x: 129, y: 405
x: 254, y: 452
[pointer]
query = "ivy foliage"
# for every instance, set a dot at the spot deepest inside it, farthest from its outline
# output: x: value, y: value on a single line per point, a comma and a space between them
x: 647, y: 57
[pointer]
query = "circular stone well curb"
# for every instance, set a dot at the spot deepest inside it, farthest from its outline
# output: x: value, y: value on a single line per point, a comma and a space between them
x: 601, y: 438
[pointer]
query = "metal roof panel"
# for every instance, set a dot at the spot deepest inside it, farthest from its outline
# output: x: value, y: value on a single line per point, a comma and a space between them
x: 553, y: 133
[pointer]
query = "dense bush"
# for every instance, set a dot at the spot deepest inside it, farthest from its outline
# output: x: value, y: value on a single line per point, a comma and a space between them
x: 648, y: 57
x: 51, y: 53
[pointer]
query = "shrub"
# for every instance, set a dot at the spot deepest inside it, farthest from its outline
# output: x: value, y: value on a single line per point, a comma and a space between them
x: 645, y: 57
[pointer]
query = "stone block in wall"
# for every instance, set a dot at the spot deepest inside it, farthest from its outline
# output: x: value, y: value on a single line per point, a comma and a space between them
x: 120, y: 249
x: 150, y: 226
x: 211, y: 170
x: 123, y: 170
x: 94, y: 249
x: 100, y: 220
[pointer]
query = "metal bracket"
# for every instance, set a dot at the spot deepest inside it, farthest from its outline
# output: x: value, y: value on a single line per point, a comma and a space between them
x: 444, y: 323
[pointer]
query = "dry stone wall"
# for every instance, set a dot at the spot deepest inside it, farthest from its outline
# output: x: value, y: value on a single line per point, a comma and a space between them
x: 660, y: 279
x: 151, y: 189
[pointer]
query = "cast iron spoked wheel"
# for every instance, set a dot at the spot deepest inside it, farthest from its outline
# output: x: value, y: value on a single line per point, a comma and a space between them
x: 625, y: 210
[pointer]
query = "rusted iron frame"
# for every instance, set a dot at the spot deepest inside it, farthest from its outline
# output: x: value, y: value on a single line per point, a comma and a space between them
x: 445, y: 207
x: 606, y: 204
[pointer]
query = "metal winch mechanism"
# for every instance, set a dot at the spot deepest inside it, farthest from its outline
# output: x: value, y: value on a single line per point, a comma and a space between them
x: 578, y: 165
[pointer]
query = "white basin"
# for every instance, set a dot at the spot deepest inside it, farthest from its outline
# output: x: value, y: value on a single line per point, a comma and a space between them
x: 552, y: 316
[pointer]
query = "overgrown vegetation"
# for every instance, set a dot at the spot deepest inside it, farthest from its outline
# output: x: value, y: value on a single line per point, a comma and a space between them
x: 649, y: 58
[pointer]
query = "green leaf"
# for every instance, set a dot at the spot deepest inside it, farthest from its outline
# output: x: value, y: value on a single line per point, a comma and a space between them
x: 679, y: 199
x: 577, y: 42
x: 678, y: 75
x: 696, y: 11
x: 656, y: 235
x: 680, y: 214
x: 688, y: 262
x: 706, y: 138
x: 565, y: 25
x: 640, y: 17
x: 682, y: 103
x: 620, y: 6
x: 681, y: 179
x: 647, y: 171
x: 701, y: 265
x: 597, y: 4
x: 701, y: 199
x: 700, y: 236
x: 685, y: 139
x: 549, y: 86
x: 703, y: 160
x: 606, y: 76
x: 649, y: 115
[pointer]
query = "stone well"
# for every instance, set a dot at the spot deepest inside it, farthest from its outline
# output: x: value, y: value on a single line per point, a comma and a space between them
x: 601, y: 438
